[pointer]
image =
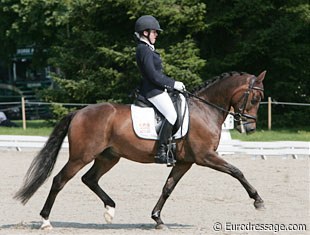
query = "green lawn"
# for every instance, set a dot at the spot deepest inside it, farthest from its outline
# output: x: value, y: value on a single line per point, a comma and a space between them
x: 274, y: 135
x: 37, y: 127
x: 43, y: 128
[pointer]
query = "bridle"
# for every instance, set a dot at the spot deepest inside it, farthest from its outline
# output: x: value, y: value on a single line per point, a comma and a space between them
x: 239, y: 116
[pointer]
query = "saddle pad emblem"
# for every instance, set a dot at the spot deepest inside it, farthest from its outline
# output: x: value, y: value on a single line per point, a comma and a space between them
x: 145, y: 127
x: 144, y: 122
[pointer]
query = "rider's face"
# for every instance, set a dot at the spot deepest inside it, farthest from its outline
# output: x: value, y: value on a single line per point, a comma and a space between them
x: 152, y: 35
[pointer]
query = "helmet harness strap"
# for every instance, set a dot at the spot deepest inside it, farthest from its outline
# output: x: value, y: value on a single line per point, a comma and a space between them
x: 148, y: 36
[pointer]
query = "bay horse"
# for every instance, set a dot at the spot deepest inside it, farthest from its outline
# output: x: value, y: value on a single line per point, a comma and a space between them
x: 103, y: 133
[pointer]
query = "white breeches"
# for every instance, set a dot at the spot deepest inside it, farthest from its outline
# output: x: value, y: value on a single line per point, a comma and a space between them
x: 164, y: 105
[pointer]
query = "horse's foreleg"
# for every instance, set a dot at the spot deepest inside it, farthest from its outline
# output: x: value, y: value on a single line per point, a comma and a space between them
x: 101, y: 165
x: 59, y: 181
x: 235, y: 172
x: 213, y: 161
x: 175, y: 175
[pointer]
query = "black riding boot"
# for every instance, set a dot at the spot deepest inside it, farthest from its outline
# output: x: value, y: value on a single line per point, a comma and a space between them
x: 164, y: 134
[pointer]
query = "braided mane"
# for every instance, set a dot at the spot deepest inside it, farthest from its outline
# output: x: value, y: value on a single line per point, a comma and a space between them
x: 216, y: 79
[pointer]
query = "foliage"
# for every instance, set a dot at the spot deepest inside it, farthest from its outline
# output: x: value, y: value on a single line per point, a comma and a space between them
x: 97, y: 60
x: 30, y: 23
x: 258, y: 35
x: 262, y: 35
x: 91, y: 44
x: 59, y: 111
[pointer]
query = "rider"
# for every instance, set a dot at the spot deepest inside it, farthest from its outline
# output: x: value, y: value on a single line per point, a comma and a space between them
x: 154, y: 82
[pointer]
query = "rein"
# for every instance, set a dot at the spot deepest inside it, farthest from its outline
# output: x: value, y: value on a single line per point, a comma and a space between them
x: 237, y: 115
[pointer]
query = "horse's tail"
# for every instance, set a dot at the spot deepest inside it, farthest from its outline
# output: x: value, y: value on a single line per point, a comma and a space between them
x: 43, y: 164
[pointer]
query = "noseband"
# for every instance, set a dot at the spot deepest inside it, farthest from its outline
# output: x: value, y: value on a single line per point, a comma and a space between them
x: 239, y: 116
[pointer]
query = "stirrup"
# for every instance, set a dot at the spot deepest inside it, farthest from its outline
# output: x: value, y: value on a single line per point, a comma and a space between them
x: 165, y: 158
x: 165, y: 155
x: 170, y: 153
x: 161, y: 155
x: 160, y: 159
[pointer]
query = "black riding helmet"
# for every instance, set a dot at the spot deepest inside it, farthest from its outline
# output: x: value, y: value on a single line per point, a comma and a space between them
x: 147, y: 22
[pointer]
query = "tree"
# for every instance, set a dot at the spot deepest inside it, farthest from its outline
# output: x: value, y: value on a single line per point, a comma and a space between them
x: 91, y: 44
x: 97, y: 58
x: 262, y: 35
x: 258, y: 35
x: 30, y: 23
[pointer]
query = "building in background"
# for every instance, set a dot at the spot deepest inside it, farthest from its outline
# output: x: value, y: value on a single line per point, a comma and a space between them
x: 19, y: 76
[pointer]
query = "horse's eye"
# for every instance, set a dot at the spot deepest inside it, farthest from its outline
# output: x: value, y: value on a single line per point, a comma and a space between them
x: 254, y: 101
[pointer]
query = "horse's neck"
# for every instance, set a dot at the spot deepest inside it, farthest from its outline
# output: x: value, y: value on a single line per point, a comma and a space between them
x: 219, y: 95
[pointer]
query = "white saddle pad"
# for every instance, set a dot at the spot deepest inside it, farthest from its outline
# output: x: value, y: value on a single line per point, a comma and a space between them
x: 144, y: 122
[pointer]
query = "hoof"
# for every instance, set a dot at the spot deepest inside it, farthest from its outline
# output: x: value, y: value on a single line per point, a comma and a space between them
x: 109, y: 214
x: 46, y: 225
x: 161, y: 227
x: 259, y: 205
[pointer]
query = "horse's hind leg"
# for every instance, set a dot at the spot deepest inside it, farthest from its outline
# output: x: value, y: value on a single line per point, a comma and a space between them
x: 59, y: 181
x: 102, y: 164
x: 213, y: 161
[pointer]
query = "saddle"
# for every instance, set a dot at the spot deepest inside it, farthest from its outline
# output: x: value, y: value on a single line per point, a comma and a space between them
x: 147, y: 120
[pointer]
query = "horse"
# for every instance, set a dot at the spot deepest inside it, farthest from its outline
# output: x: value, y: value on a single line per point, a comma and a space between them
x: 103, y: 133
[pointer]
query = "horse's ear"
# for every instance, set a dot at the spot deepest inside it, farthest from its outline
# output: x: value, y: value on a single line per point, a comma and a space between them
x: 261, y: 76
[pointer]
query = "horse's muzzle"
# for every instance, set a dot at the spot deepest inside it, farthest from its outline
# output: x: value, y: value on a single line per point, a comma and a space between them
x: 246, y: 127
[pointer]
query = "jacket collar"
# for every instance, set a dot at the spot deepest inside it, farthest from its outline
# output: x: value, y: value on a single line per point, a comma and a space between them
x: 143, y: 40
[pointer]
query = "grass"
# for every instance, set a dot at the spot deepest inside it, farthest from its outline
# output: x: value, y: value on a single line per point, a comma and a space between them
x: 35, y: 127
x: 43, y: 128
x: 274, y: 135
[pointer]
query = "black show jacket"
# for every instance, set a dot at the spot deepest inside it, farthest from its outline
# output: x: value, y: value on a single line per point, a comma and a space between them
x: 154, y: 82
